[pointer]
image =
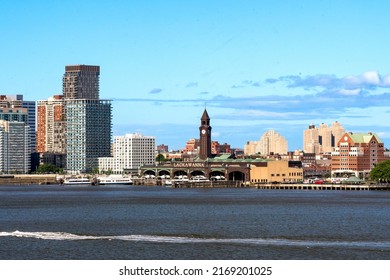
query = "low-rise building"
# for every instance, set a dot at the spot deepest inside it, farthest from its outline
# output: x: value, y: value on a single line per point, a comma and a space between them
x: 357, y: 154
x: 276, y: 171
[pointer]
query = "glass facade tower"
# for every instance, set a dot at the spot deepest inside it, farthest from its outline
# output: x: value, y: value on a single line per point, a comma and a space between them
x: 88, y: 133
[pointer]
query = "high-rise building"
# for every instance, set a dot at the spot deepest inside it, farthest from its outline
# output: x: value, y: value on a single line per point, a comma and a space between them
x: 81, y: 82
x: 12, y: 105
x: 322, y: 139
x: 311, y: 142
x: 337, y: 133
x: 357, y: 154
x: 88, y: 133
x: 271, y: 142
x: 51, y: 126
x: 250, y: 148
x: 88, y: 119
x: 131, y: 152
x: 14, y: 147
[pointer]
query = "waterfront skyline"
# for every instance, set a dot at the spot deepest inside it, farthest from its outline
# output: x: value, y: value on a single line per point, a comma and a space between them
x: 280, y: 65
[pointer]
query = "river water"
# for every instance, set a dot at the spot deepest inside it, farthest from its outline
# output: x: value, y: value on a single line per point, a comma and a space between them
x: 136, y: 222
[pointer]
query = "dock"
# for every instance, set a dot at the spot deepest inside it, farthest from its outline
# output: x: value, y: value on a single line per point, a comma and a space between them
x: 239, y: 184
x: 324, y: 187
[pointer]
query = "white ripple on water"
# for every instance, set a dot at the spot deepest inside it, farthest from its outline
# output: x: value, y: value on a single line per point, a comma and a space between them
x: 381, y: 245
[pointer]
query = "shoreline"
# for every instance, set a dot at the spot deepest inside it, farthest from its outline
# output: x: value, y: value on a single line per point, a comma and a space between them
x: 51, y: 179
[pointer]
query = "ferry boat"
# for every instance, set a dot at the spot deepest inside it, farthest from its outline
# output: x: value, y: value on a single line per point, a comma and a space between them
x: 114, y: 180
x: 77, y: 181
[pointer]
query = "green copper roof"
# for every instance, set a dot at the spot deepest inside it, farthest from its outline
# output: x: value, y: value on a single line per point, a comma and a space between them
x: 363, y: 137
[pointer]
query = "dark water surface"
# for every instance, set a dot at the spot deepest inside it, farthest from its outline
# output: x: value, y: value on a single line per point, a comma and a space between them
x: 57, y: 222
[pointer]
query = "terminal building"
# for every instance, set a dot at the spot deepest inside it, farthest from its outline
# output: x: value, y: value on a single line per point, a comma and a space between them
x: 254, y: 171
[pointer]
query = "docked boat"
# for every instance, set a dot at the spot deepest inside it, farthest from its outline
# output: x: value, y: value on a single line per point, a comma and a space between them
x: 114, y: 180
x: 77, y: 181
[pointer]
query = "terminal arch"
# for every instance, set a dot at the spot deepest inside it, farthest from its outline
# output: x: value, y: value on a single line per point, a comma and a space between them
x: 237, y: 176
x: 217, y: 175
x: 164, y: 173
x: 179, y: 173
x: 197, y: 172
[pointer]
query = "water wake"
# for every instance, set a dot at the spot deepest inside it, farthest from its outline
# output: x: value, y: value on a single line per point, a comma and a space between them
x: 382, y: 245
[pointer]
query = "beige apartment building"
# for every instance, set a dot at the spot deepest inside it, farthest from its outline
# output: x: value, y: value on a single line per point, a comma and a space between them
x: 271, y: 142
x: 322, y: 139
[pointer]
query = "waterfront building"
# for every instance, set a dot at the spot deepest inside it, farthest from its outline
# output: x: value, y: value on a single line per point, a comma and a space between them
x: 357, y: 154
x: 275, y: 171
x: 14, y: 147
x: 88, y: 119
x: 88, y: 133
x: 322, y: 139
x: 131, y: 152
x: 271, y: 142
x: 81, y: 82
x: 225, y: 166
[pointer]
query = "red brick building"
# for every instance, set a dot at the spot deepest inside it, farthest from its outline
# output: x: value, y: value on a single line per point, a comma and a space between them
x: 357, y: 154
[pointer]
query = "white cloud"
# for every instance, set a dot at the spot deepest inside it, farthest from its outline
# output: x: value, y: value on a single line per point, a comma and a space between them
x: 350, y: 91
x: 371, y: 78
x: 386, y: 80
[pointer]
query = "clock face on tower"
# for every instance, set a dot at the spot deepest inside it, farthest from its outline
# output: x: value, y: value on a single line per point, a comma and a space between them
x: 203, y: 131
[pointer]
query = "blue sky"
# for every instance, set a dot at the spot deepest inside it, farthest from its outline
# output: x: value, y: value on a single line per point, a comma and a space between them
x: 257, y: 65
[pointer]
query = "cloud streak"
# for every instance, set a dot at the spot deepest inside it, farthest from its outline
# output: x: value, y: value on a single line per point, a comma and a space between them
x: 324, y: 96
x: 367, y: 80
x: 155, y: 91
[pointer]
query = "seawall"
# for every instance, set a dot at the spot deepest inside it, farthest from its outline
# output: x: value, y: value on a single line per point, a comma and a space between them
x: 27, y: 179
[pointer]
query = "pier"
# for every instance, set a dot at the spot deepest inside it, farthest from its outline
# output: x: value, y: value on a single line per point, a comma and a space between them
x: 240, y: 184
x: 209, y: 184
x: 324, y: 187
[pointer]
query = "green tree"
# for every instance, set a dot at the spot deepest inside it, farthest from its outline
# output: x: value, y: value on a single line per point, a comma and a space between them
x: 160, y: 158
x: 95, y: 170
x: 48, y: 168
x: 381, y: 172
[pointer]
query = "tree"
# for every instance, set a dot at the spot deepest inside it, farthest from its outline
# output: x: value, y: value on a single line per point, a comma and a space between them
x: 48, y: 168
x: 381, y: 172
x: 160, y: 158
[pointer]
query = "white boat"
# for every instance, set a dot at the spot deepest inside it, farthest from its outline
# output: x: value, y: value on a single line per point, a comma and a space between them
x: 115, y: 180
x: 77, y: 181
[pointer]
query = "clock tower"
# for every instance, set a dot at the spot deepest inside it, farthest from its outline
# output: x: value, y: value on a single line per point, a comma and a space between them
x: 205, y: 136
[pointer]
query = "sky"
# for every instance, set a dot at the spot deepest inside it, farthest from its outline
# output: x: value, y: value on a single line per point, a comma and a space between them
x: 255, y: 65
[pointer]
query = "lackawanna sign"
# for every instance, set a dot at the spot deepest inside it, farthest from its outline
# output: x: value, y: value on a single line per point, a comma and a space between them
x: 189, y: 164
